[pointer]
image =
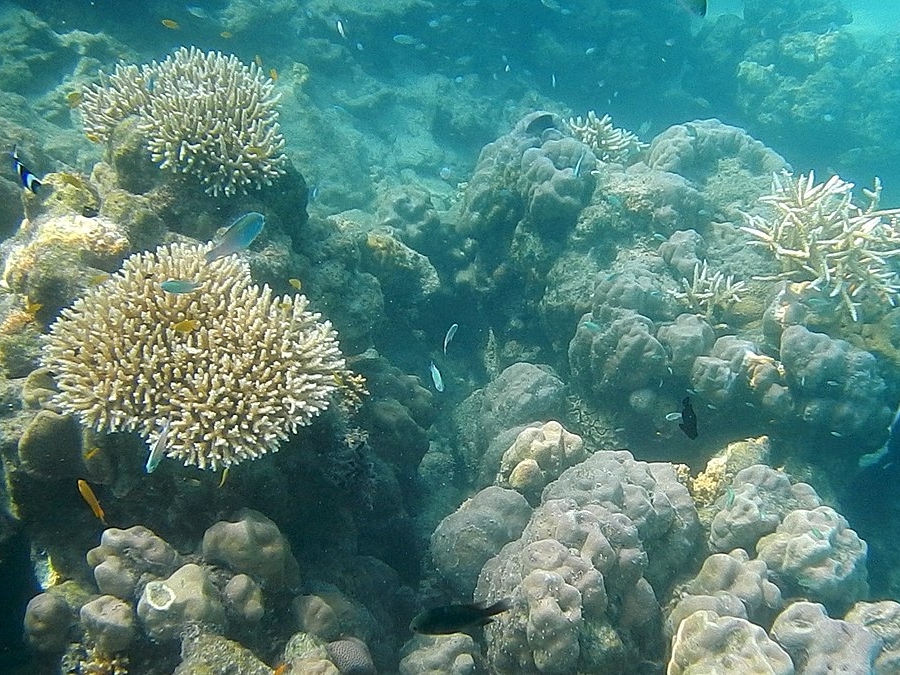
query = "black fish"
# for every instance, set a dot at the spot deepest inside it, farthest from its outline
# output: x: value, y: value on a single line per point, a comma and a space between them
x: 27, y: 178
x: 456, y: 618
x: 688, y: 422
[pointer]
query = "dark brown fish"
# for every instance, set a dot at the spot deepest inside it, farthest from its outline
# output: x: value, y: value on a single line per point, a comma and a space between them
x: 456, y: 618
x: 688, y: 422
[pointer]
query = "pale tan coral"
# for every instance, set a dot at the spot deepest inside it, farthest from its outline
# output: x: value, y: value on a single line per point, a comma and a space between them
x: 609, y: 143
x: 205, y: 114
x: 95, y: 238
x: 212, y: 116
x: 253, y: 369
x: 819, y: 235
x: 710, y: 483
x: 106, y: 103
x: 538, y: 456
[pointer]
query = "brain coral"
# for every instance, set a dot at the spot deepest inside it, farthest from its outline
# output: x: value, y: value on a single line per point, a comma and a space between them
x: 232, y: 368
x: 204, y: 114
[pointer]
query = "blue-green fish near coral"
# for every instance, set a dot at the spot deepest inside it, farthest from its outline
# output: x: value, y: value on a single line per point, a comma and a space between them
x: 239, y: 236
x: 158, y: 450
x: 179, y: 286
x: 436, y: 377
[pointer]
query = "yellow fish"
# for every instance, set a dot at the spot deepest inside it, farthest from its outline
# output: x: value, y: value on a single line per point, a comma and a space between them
x: 274, y: 75
x: 286, y: 305
x: 168, y: 23
x: 74, y: 98
x: 93, y: 138
x: 187, y: 325
x: 226, y: 34
x: 88, y: 495
x: 32, y: 307
x: 97, y: 279
x: 295, y: 283
x: 224, y: 477
x: 90, y: 454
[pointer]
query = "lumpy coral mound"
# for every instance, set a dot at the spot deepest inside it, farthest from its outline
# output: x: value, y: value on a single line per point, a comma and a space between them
x: 232, y: 368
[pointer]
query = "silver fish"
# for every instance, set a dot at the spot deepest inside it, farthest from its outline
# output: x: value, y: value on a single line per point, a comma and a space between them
x: 449, y: 336
x: 158, y: 451
x: 436, y: 377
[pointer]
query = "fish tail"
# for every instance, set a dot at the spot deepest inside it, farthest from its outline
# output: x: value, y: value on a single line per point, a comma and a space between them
x: 498, y: 607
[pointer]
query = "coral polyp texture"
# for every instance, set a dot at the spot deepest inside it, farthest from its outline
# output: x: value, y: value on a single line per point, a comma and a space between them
x: 821, y: 237
x: 609, y: 143
x: 230, y: 368
x: 205, y: 114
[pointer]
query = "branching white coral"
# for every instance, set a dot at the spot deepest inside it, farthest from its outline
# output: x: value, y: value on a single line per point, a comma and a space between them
x: 608, y: 143
x: 708, y: 293
x: 202, y: 113
x: 233, y: 369
x: 821, y: 237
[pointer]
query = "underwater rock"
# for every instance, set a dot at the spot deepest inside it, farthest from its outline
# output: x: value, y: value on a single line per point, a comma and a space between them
x: 252, y: 545
x: 760, y: 498
x: 455, y: 654
x: 820, y: 644
x: 537, y: 456
x: 477, y: 530
x: 48, y: 619
x: 682, y: 251
x: 581, y: 568
x: 815, y: 555
x: 695, y: 149
x: 729, y: 580
x: 243, y: 598
x: 686, y: 339
x: 125, y: 560
x: 709, y: 643
x: 883, y: 620
x: 50, y: 447
x: 203, y: 652
x: 187, y: 597
x: 109, y: 622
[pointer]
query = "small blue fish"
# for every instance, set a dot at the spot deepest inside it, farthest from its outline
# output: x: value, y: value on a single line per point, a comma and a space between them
x: 436, y: 377
x: 178, y: 286
x: 239, y: 236
x: 28, y: 180
x: 449, y: 336
x: 592, y: 326
x: 158, y: 450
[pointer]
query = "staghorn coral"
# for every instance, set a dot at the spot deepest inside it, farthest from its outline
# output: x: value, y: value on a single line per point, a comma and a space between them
x: 205, y: 114
x: 609, y: 143
x: 241, y: 370
x: 709, y: 293
x: 821, y: 237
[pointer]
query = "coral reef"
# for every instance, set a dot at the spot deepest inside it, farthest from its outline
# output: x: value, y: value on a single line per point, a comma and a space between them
x: 230, y: 369
x: 608, y: 143
x: 538, y: 456
x: 208, y: 115
x: 819, y: 235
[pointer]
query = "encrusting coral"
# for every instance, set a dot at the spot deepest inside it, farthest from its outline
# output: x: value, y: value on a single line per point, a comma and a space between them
x: 230, y: 368
x: 202, y: 113
x: 820, y: 236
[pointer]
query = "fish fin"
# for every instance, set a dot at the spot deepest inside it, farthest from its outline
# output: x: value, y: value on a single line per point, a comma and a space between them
x: 498, y: 607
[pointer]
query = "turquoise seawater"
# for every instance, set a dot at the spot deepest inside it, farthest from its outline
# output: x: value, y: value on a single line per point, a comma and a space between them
x: 488, y: 266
